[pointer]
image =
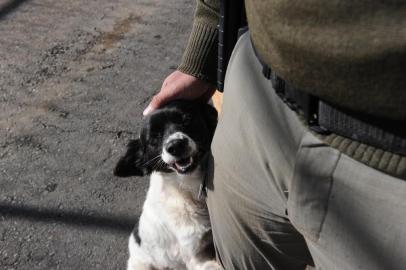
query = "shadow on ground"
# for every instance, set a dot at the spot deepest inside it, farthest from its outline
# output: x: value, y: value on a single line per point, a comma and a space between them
x: 118, y: 224
x: 9, y: 7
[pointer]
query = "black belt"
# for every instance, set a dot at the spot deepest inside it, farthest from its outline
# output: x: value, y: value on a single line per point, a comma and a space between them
x: 325, y: 118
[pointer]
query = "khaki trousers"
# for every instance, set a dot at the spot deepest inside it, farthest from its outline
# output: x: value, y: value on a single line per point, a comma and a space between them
x: 279, y: 198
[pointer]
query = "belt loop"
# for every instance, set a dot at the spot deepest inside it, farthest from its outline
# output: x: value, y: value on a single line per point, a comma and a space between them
x: 312, y: 115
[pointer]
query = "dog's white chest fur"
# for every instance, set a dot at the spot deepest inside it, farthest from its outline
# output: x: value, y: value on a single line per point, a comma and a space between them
x: 172, y: 226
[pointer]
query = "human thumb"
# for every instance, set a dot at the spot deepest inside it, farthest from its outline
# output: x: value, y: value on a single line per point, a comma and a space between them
x: 155, y: 103
x: 147, y: 110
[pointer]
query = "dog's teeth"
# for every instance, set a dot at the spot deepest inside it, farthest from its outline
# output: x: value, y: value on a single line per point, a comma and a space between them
x: 183, y: 164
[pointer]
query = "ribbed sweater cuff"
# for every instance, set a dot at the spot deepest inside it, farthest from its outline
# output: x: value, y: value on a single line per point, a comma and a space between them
x: 200, y: 56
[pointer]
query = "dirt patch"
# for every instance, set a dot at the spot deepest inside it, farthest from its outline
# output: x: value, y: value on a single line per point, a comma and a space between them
x: 110, y: 39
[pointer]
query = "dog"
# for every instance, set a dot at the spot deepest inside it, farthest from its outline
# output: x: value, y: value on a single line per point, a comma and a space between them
x: 174, y: 230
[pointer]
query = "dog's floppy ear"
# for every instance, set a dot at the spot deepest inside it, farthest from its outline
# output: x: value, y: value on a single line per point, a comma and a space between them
x: 132, y: 163
x: 210, y: 117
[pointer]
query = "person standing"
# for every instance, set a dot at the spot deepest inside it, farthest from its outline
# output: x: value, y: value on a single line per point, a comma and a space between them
x: 309, y: 156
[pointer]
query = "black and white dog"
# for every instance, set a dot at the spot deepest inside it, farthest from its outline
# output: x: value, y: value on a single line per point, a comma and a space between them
x: 174, y: 229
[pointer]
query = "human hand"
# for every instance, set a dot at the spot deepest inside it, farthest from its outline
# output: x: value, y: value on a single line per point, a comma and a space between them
x: 179, y: 85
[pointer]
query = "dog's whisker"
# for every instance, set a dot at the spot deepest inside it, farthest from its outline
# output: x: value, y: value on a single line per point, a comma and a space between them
x: 157, y: 165
x: 161, y: 164
x: 150, y: 161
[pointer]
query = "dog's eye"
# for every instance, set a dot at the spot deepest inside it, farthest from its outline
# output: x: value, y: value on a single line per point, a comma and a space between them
x: 186, y: 119
x: 182, y: 119
x: 154, y: 138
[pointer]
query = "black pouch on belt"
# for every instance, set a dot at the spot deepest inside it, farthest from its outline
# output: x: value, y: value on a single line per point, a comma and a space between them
x: 232, y: 18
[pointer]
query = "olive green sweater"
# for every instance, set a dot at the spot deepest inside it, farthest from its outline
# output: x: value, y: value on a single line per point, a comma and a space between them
x: 349, y: 53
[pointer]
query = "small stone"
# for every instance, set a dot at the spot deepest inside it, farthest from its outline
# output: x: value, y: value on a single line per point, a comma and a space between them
x: 51, y: 187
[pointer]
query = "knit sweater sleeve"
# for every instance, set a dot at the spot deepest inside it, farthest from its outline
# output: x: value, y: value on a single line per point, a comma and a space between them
x: 200, y: 56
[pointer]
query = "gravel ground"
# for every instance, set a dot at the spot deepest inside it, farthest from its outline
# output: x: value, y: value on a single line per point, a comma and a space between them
x: 74, y: 79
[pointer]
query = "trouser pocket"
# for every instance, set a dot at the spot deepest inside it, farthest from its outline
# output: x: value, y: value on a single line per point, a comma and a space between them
x: 311, y: 185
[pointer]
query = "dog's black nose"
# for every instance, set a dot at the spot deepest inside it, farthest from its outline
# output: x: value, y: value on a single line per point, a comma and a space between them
x: 177, y: 147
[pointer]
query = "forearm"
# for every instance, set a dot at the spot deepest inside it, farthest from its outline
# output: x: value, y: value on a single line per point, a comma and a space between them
x: 200, y: 56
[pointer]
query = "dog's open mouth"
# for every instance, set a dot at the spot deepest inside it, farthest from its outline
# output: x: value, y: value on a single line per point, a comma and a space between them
x: 183, y: 165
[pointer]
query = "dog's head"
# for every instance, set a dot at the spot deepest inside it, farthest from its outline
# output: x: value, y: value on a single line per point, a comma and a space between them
x: 174, y: 138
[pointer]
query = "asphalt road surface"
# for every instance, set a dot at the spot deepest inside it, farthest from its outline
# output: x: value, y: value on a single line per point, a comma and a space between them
x: 75, y: 77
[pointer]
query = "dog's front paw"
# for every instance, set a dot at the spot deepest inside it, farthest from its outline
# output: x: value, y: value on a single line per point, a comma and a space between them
x: 207, y: 265
x: 139, y: 267
x: 210, y: 265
